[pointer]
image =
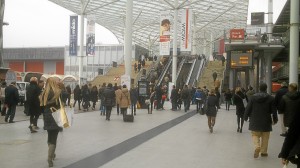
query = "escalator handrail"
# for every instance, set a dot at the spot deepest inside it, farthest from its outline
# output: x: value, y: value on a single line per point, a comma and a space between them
x: 190, y: 73
x: 180, y: 66
x: 163, y: 73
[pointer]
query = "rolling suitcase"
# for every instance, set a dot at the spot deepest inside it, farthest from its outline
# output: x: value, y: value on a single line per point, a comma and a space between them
x: 128, y: 116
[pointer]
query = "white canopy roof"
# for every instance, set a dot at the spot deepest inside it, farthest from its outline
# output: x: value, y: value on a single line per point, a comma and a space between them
x: 211, y: 16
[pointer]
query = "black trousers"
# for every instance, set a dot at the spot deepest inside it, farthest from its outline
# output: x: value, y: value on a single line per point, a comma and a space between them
x: 108, y: 112
x: 52, y: 136
x: 33, y: 119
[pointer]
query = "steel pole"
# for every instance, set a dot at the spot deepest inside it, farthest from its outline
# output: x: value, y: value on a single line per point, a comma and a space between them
x: 128, y: 37
x: 81, y: 47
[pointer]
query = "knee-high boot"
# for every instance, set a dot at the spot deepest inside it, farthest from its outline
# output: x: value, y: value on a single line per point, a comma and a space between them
x: 51, y: 154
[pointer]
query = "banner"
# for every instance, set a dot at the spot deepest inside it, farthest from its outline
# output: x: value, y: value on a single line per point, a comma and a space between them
x: 165, y: 32
x: 186, y: 38
x: 90, y: 38
x: 73, y: 35
x: 258, y: 18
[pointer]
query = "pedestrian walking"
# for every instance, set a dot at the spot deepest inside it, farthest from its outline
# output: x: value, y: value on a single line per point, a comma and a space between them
x: 214, y: 75
x: 77, y: 96
x: 124, y: 100
x: 134, y: 96
x: 211, y: 111
x: 228, y: 97
x: 109, y: 100
x: 85, y: 92
x: 118, y: 93
x: 186, y: 97
x: 68, y: 89
x: 32, y: 93
x: 11, y: 101
x: 50, y: 98
x: 2, y: 90
x: 240, y: 108
x: 199, y: 97
x: 290, y: 105
x: 278, y: 97
x: 102, y: 98
x: 94, y: 96
x: 261, y: 113
x: 174, y: 98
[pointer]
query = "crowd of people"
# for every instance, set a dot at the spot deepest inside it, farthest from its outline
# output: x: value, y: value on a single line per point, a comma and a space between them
x: 259, y: 108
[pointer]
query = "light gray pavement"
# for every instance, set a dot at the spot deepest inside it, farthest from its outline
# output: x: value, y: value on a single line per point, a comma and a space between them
x: 187, y: 144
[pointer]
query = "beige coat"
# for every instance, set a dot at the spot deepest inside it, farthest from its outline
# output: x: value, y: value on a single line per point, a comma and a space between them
x: 118, y: 95
x: 124, y: 98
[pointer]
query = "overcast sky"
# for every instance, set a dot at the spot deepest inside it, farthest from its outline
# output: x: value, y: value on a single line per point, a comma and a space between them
x: 40, y: 23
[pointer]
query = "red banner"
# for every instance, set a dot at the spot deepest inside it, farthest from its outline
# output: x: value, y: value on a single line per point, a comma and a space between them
x: 237, y: 34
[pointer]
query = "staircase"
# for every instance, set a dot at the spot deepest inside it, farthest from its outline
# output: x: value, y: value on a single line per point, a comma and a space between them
x: 206, y: 78
x: 114, y: 72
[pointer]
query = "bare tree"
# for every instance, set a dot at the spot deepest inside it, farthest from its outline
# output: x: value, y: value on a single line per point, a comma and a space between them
x: 2, y: 6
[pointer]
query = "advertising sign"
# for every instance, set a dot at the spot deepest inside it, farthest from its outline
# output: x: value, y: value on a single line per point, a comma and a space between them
x: 73, y: 35
x: 90, y: 37
x: 143, y: 88
x: 237, y: 34
x: 164, y: 33
x: 257, y: 18
x: 186, y: 38
x: 125, y: 80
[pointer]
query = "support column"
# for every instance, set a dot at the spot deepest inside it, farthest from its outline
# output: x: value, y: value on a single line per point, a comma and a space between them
x: 81, y: 46
x: 174, y: 62
x: 294, y: 42
x: 251, y: 77
x: 211, y: 45
x: 257, y: 74
x: 128, y: 37
x: 268, y: 59
x: 247, y: 78
x: 270, y: 20
x: 231, y: 79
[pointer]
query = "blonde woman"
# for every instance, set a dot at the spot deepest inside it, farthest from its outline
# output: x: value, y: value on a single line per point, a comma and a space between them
x: 212, y: 106
x: 50, y: 98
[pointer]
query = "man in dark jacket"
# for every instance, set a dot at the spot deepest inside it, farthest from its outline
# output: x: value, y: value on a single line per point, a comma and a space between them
x: 282, y: 91
x: 101, y: 97
x: 186, y: 97
x: 134, y: 96
x: 32, y: 94
x: 174, y: 98
x: 290, y: 104
x: 11, y: 101
x: 262, y: 113
x: 159, y: 93
x: 109, y: 100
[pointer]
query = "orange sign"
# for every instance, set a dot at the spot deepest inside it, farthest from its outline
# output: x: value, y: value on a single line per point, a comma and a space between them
x: 237, y: 34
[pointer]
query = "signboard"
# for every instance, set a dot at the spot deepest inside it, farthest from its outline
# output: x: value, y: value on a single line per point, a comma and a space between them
x: 257, y: 18
x: 185, y: 26
x: 73, y: 35
x: 237, y: 34
x: 90, y: 37
x: 239, y: 59
x: 125, y: 80
x: 164, y: 33
x: 143, y: 87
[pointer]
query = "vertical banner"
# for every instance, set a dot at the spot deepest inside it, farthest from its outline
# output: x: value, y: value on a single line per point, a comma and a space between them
x: 73, y: 35
x: 165, y: 31
x: 185, y: 26
x: 90, y: 37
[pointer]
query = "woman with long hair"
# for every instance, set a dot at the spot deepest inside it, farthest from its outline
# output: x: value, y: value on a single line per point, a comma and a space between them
x: 240, y: 108
x: 50, y: 98
x: 212, y: 108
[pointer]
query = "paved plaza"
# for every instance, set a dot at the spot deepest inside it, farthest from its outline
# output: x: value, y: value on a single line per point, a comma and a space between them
x: 164, y: 139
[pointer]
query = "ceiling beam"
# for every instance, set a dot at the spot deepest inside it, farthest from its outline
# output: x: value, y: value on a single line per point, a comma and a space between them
x: 106, y: 4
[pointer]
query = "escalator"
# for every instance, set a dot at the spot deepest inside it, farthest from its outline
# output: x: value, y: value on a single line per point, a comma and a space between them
x: 196, y: 72
x: 182, y: 76
x: 163, y: 73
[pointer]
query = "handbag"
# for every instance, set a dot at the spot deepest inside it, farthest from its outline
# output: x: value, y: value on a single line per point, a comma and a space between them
x: 60, y: 115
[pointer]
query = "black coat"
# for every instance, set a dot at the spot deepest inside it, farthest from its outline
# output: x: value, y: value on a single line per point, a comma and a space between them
x: 291, y: 145
x: 289, y: 105
x: 94, y: 95
x: 185, y: 94
x: 174, y: 95
x: 227, y: 96
x: 238, y: 101
x: 260, y: 110
x: 109, y: 97
x: 134, y: 95
x: 77, y: 94
x: 212, y: 104
x: 11, y: 95
x: 32, y: 93
x: 282, y: 91
x: 49, y: 122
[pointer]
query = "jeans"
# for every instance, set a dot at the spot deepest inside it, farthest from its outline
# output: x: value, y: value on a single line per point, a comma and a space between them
x: 133, y: 108
x: 199, y: 104
x: 11, y: 112
x: 186, y: 104
x: 228, y: 102
x: 108, y: 112
x: 261, y: 141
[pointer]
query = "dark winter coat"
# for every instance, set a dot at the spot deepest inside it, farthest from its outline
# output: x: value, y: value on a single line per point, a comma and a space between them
x: 261, y: 110
x: 100, y: 93
x: 279, y: 94
x: 134, y: 96
x: 212, y: 106
x: 174, y: 95
x: 249, y: 94
x: 49, y: 122
x: 159, y: 93
x: 85, y: 93
x: 11, y: 95
x: 32, y: 93
x: 94, y: 95
x: 77, y: 94
x: 291, y: 145
x: 238, y: 101
x: 186, y: 94
x: 109, y: 97
x: 289, y: 105
x: 227, y: 96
